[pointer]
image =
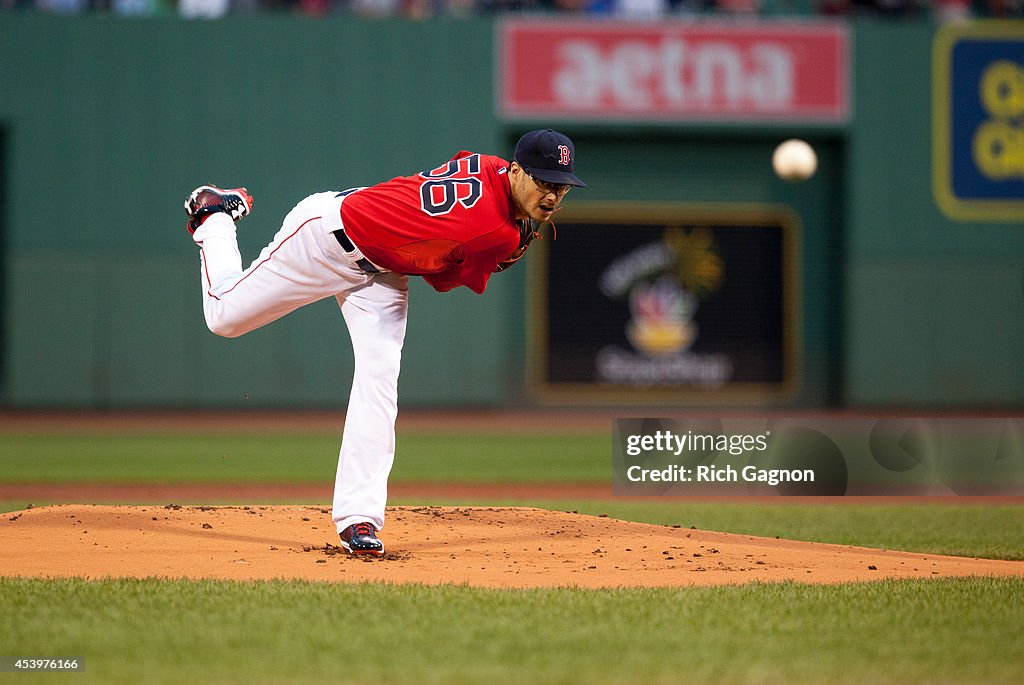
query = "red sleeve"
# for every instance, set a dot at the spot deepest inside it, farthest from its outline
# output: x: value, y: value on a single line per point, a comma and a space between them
x: 443, y: 281
x: 474, y: 270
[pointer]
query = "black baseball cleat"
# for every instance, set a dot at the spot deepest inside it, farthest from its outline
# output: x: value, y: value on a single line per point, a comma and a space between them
x: 207, y: 200
x: 361, y: 538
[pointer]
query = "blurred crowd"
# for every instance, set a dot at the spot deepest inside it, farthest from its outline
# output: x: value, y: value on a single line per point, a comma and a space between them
x: 942, y: 10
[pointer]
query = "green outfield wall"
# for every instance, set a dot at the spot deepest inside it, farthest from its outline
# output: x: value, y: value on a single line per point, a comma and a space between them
x: 106, y: 125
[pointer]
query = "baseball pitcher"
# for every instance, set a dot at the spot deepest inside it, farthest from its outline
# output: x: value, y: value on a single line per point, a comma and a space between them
x: 453, y: 225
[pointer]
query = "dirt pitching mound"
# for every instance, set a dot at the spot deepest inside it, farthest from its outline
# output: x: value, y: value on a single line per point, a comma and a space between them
x: 485, y: 547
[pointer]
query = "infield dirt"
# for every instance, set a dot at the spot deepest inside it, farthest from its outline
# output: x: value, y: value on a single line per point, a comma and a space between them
x: 478, y: 546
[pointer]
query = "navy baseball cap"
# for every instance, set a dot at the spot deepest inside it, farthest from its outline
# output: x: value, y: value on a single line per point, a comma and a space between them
x: 548, y: 155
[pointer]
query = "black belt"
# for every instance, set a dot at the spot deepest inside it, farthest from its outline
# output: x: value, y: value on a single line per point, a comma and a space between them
x: 346, y: 244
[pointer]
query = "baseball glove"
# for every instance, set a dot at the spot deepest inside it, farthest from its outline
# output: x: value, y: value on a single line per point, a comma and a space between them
x: 529, y: 230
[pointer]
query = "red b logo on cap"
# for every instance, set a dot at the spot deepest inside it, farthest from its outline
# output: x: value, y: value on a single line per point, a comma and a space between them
x: 564, y: 155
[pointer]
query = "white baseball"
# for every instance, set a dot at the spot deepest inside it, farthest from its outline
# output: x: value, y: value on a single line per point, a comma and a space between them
x: 794, y: 160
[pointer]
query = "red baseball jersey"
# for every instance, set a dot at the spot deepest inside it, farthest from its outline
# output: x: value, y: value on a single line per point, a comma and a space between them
x: 451, y: 225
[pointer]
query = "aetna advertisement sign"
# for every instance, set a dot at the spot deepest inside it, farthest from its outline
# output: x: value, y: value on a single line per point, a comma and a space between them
x: 673, y: 71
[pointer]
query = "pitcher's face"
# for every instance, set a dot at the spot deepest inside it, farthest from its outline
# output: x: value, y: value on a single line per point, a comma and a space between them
x: 534, y: 199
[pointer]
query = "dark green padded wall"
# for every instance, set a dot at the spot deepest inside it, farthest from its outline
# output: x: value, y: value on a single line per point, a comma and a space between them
x: 108, y: 123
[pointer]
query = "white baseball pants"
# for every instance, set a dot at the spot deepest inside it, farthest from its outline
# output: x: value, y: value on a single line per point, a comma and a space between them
x: 303, y: 264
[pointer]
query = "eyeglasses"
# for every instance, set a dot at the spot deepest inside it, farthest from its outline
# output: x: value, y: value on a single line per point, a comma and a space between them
x: 558, y: 189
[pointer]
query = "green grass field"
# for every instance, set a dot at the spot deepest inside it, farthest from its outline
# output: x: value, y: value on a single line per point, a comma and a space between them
x: 941, y: 631
x: 141, y: 631
x: 167, y: 457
